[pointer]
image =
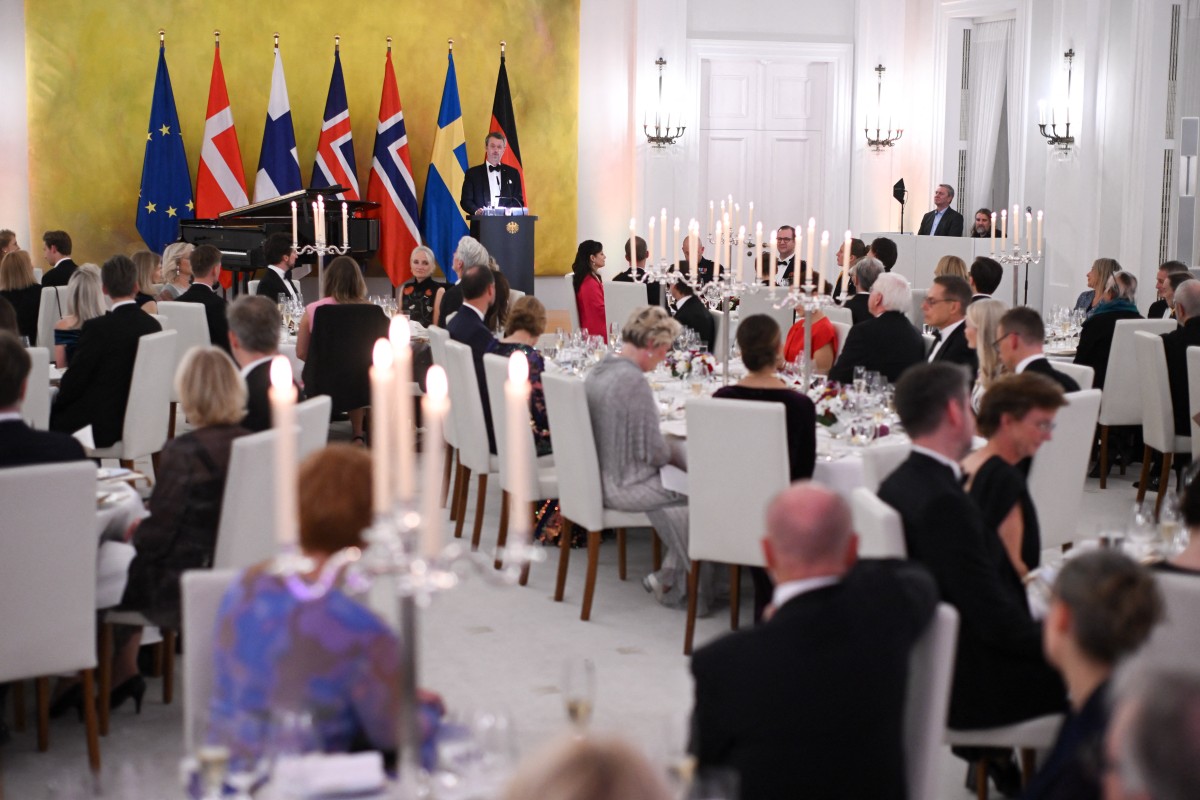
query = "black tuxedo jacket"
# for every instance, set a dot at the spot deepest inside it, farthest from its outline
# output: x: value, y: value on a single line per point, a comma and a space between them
x: 888, y: 344
x: 21, y: 446
x: 788, y: 269
x: 477, y: 192
x: 955, y: 350
x: 781, y: 703
x: 468, y: 328
x: 271, y: 286
x: 60, y: 274
x: 1000, y: 675
x: 96, y: 387
x: 1042, y: 366
x: 693, y: 314
x: 258, y: 401
x: 214, y: 312
x: 951, y: 224
x: 1176, y: 344
x: 858, y: 307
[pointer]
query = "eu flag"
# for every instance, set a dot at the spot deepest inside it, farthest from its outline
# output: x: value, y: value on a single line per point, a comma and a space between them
x: 166, y: 192
x: 442, y: 221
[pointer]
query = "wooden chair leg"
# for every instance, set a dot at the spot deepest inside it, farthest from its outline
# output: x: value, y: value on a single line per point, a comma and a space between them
x: 502, y: 535
x: 156, y: 665
x: 41, y: 693
x: 460, y: 502
x: 127, y: 463
x: 480, y: 501
x: 1141, y: 493
x: 87, y: 677
x: 171, y: 422
x: 656, y: 545
x: 981, y: 780
x: 1164, y: 482
x: 735, y: 595
x: 17, y: 690
x: 589, y: 587
x: 105, y: 657
x: 168, y: 666
x: 448, y: 464
x: 454, y: 495
x: 1103, y: 456
x: 693, y: 582
x: 1028, y: 765
x: 532, y: 523
x: 621, y: 553
x: 564, y: 558
x: 155, y: 458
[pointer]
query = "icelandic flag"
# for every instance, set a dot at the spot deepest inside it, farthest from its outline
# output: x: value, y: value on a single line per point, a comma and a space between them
x: 442, y: 221
x: 391, y: 184
x: 334, y: 165
x: 504, y: 122
x: 166, y: 192
x: 278, y: 164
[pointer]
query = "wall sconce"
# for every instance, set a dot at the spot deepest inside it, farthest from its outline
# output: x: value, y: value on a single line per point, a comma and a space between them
x: 1062, y: 142
x: 882, y: 138
x: 663, y: 135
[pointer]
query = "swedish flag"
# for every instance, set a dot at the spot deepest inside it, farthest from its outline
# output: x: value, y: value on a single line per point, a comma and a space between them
x: 166, y: 193
x: 442, y: 221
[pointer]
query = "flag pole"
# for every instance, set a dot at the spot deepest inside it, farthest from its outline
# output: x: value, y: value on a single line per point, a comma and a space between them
x: 162, y: 37
x: 451, y: 43
x: 217, y: 39
x: 502, y: 45
x: 277, y: 40
x: 389, y: 45
x: 337, y: 43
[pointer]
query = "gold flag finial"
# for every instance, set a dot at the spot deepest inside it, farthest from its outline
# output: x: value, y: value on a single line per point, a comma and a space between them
x: 277, y: 40
x: 389, y: 44
x: 451, y: 43
x: 337, y: 43
x: 217, y: 38
x: 162, y: 37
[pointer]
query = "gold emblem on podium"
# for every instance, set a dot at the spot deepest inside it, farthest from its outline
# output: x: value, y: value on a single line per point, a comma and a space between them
x: 512, y: 227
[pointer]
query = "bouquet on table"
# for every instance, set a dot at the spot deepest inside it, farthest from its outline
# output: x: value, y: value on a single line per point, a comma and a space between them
x: 831, y: 403
x: 683, y: 363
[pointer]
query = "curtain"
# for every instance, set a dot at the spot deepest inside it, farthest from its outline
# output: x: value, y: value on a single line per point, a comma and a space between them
x: 991, y: 45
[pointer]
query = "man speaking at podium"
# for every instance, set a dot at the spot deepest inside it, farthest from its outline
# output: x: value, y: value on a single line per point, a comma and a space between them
x: 492, y: 184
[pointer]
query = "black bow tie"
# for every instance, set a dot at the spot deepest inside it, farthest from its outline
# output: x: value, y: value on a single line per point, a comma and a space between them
x: 937, y: 336
x: 493, y: 168
x: 963, y: 479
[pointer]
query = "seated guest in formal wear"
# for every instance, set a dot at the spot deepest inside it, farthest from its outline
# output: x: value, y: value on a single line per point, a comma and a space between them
x: 706, y: 270
x: 1103, y: 608
x: 636, y: 271
x: 1017, y: 417
x: 56, y: 249
x: 149, y: 271
x: 526, y: 323
x: 85, y: 301
x: 206, y: 273
x: 951, y: 265
x: 8, y: 241
x: 323, y: 653
x: 94, y: 391
x: 1176, y: 344
x: 177, y: 270
x: 945, y: 309
x: 19, y: 287
x: 1152, y: 750
x: 888, y: 343
x: 1000, y: 673
x: 1163, y: 306
x: 982, y: 322
x: 631, y: 447
x: 420, y: 294
x: 824, y: 342
x: 277, y: 277
x: 690, y: 312
x: 468, y: 253
x: 344, y: 283
x: 1097, y: 280
x: 587, y: 768
x: 1096, y: 335
x: 985, y: 275
x: 779, y: 703
x: 943, y: 220
x: 787, y: 259
x: 478, y: 287
x: 254, y: 324
x: 982, y: 229
x: 497, y: 314
x: 589, y: 288
x: 21, y: 445
x: 185, y: 506
x: 1174, y: 281
x: 1020, y: 335
x: 886, y: 251
x: 758, y: 338
x: 858, y: 249
x: 866, y: 270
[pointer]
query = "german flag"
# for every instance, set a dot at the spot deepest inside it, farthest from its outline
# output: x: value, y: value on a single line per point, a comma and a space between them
x: 504, y: 122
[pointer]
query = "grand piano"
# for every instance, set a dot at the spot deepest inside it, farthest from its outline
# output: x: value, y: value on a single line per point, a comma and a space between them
x: 240, y: 233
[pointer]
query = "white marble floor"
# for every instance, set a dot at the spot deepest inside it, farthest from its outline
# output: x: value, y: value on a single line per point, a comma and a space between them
x: 483, y: 648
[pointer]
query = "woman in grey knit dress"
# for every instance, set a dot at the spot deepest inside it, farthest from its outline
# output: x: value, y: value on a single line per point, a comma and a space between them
x: 632, y: 449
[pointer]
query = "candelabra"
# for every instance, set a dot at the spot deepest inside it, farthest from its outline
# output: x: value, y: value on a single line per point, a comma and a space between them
x: 321, y: 249
x: 662, y: 136
x: 1061, y: 142
x: 1017, y: 259
x: 880, y: 140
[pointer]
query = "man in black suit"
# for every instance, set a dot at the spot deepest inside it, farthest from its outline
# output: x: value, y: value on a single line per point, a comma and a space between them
x: 637, y: 269
x: 57, y: 252
x: 95, y: 389
x: 1019, y: 337
x: 943, y: 220
x: 206, y: 271
x: 492, y: 184
x: 691, y: 312
x: 779, y: 703
x: 1162, y: 286
x: 706, y: 270
x: 1000, y: 674
x: 986, y: 274
x: 253, y: 337
x: 277, y: 278
x: 787, y: 260
x: 21, y: 445
x: 1176, y: 344
x: 887, y: 343
x: 478, y: 287
x: 866, y: 271
x: 945, y: 310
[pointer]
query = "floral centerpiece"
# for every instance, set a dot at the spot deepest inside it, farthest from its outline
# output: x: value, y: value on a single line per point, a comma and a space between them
x: 683, y: 363
x: 830, y: 401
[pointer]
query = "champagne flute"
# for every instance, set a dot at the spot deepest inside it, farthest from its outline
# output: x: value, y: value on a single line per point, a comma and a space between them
x: 579, y: 691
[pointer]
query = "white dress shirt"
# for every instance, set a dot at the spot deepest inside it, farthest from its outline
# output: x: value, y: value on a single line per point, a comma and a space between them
x: 936, y: 456
x: 494, y: 184
x: 286, y: 282
x: 787, y: 591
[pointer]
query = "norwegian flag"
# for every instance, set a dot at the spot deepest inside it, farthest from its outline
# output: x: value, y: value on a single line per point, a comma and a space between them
x: 334, y: 165
x: 391, y: 184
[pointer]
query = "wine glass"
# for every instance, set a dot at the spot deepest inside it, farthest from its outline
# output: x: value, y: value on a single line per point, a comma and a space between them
x: 291, y: 735
x: 579, y: 691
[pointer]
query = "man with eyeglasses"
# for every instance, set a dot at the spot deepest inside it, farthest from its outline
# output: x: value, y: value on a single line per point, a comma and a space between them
x: 1019, y: 338
x: 785, y: 241
x: 945, y: 309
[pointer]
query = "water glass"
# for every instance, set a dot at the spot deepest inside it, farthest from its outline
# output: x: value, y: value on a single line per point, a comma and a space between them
x: 579, y: 691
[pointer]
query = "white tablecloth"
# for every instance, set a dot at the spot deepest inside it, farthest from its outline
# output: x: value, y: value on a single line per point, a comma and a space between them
x: 120, y: 507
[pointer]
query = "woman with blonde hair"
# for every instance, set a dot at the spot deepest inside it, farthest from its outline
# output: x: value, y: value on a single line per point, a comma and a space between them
x: 149, y: 275
x: 19, y: 286
x: 983, y: 320
x: 587, y: 769
x: 85, y: 300
x: 421, y: 294
x: 951, y: 265
x: 1098, y: 276
x: 177, y: 270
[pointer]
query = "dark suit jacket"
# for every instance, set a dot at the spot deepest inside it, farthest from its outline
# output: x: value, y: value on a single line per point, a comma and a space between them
x: 1095, y: 341
x: 977, y: 297
x: 477, y: 193
x: 693, y: 314
x: 706, y: 270
x: 96, y: 387
x: 21, y: 446
x: 468, y: 328
x: 27, y: 303
x: 1043, y: 367
x: 787, y: 270
x: 60, y: 274
x: 1158, y: 309
x: 1176, y: 344
x: 271, y: 286
x: 956, y: 351
x: 951, y: 224
x: 214, y: 312
x: 1000, y: 675
x: 258, y: 401
x: 888, y: 344
x: 858, y: 307
x: 782, y: 702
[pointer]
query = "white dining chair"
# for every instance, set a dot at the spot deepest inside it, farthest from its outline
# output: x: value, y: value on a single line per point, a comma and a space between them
x: 621, y: 298
x: 201, y: 593
x: 737, y: 463
x: 190, y: 322
x: 1158, y: 420
x: 721, y: 319
x: 1174, y: 642
x: 881, y: 458
x: 51, y: 309
x: 927, y: 701
x: 35, y: 408
x: 48, y: 584
x: 577, y: 464
x: 466, y: 406
x: 764, y: 303
x: 313, y: 418
x: 251, y: 288
x: 1121, y: 403
x: 1060, y: 466
x: 437, y: 345
x: 1028, y: 736
x: 572, y: 305
x: 1193, y: 373
x: 916, y: 315
x: 929, y: 342
x: 1082, y: 374
x: 146, y: 412
x: 838, y: 314
x: 246, y: 529
x: 843, y: 330
x: 879, y: 527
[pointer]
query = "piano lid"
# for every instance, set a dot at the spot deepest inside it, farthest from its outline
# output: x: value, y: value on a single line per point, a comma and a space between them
x: 282, y: 206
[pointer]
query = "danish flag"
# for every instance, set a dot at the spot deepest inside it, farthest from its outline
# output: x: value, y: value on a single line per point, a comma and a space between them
x: 221, y: 178
x: 334, y: 164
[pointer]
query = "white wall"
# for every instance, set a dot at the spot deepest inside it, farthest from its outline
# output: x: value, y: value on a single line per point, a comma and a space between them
x: 789, y: 20
x: 14, y: 132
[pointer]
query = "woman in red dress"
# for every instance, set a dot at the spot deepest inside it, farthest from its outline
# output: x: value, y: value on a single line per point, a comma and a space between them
x: 589, y: 289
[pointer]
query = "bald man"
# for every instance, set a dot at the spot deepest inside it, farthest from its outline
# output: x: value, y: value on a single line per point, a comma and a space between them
x: 801, y: 703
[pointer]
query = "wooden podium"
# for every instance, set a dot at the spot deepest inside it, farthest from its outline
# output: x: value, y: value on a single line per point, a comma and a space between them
x: 509, y: 240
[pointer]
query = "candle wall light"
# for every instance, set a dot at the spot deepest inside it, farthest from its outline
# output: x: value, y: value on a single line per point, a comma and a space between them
x: 883, y: 137
x: 663, y: 134
x: 1063, y: 141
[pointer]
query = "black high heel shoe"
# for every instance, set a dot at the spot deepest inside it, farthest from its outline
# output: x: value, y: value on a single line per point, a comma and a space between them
x: 134, y: 687
x: 71, y: 698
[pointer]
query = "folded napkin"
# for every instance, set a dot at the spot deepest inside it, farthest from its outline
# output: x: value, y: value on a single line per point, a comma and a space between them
x: 330, y: 775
